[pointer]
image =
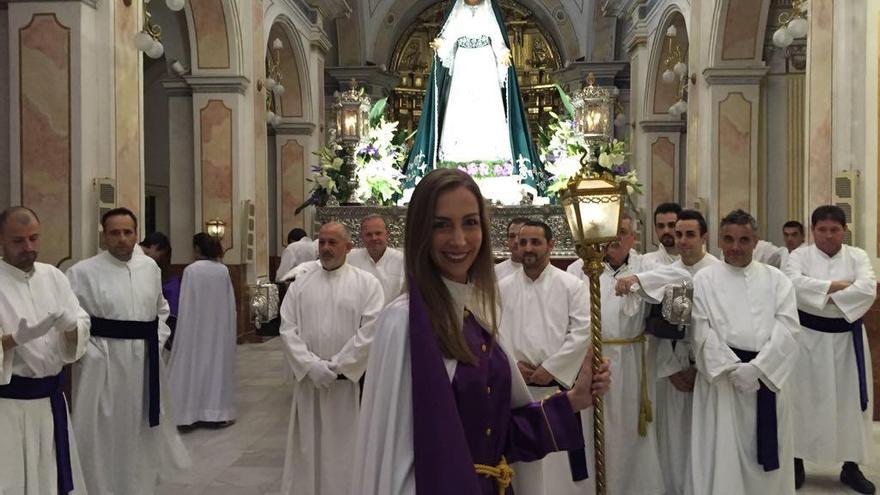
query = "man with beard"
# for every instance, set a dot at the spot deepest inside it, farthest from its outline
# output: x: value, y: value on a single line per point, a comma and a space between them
x: 42, y: 328
x: 384, y: 263
x: 513, y: 264
x: 745, y: 331
x: 122, y: 421
x: 835, y: 287
x: 322, y: 319
x: 665, y: 216
x: 630, y: 439
x: 675, y: 373
x: 545, y: 328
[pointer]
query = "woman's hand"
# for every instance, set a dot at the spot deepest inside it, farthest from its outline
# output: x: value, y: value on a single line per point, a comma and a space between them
x: 587, y: 385
x: 435, y: 45
x: 505, y: 59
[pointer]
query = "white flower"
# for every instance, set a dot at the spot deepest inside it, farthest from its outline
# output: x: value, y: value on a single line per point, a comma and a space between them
x: 618, y: 158
x: 605, y: 160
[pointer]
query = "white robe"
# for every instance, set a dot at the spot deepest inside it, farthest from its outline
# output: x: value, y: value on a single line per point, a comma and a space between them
x: 294, y: 255
x: 752, y: 309
x: 505, y: 268
x: 122, y: 454
x: 383, y: 460
x: 631, y: 462
x: 770, y: 254
x: 546, y: 322
x: 672, y: 407
x: 201, y: 372
x: 659, y: 257
x: 322, y: 311
x: 830, y: 425
x: 389, y: 270
x: 27, y: 445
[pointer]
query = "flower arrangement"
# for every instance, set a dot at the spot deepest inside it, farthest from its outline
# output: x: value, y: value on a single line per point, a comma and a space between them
x: 482, y: 169
x: 378, y: 160
x: 562, y: 148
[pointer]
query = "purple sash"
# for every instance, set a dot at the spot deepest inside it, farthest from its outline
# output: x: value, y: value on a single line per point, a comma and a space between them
x: 768, y: 440
x: 21, y: 388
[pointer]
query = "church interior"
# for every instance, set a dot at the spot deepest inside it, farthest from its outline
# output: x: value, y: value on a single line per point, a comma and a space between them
x: 216, y: 116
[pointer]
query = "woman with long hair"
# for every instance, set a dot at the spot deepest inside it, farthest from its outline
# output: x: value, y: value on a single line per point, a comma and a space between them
x: 201, y: 374
x: 444, y: 409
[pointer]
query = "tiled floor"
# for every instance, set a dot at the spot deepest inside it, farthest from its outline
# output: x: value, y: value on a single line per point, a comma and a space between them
x: 247, y: 458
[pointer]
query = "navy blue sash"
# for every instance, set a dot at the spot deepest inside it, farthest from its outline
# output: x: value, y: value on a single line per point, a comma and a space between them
x: 768, y: 441
x: 577, y: 458
x: 50, y: 387
x: 137, y: 330
x: 839, y: 325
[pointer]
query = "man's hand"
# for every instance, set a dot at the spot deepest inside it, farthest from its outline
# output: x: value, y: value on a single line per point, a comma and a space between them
x: 505, y: 59
x: 589, y: 385
x: 526, y: 370
x: 838, y: 285
x: 540, y: 377
x: 684, y: 381
x: 625, y: 285
x: 28, y: 332
x: 745, y: 377
x: 321, y: 375
x: 67, y: 321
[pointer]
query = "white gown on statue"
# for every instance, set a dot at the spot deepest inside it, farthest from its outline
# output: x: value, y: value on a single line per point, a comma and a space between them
x: 475, y: 123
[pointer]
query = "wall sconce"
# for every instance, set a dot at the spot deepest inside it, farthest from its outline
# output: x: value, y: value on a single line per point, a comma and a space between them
x: 216, y: 228
x: 594, y: 111
x: 676, y: 72
x: 273, y: 82
x: 149, y: 39
x: 792, y: 24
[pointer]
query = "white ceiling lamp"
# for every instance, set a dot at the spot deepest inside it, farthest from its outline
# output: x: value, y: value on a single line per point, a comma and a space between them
x: 792, y: 25
x: 149, y: 39
x: 175, y: 5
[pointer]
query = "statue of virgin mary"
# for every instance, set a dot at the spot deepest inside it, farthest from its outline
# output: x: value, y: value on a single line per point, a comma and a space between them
x: 473, y: 116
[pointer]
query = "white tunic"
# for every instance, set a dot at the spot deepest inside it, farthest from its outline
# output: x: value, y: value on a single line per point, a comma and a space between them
x: 546, y: 322
x: 121, y: 452
x: 631, y: 460
x: 672, y: 406
x: 201, y: 372
x: 771, y: 254
x: 383, y: 460
x: 295, y: 254
x: 505, y: 268
x: 752, y: 309
x: 27, y: 446
x: 322, y: 311
x: 660, y: 257
x: 389, y: 270
x: 830, y: 425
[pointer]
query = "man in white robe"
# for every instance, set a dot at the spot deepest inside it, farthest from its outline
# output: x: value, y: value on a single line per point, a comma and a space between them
x: 42, y: 328
x: 745, y: 331
x: 545, y: 322
x: 770, y: 254
x: 835, y: 287
x: 123, y: 423
x: 665, y: 216
x: 514, y: 263
x: 384, y: 263
x: 631, y: 459
x: 325, y: 310
x: 793, y: 234
x: 300, y: 249
x: 673, y: 366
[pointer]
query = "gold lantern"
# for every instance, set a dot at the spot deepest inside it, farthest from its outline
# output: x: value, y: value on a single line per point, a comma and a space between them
x: 216, y: 228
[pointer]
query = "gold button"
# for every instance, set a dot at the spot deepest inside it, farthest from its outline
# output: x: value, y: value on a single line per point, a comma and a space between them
x: 488, y: 431
x: 483, y: 347
x: 488, y: 390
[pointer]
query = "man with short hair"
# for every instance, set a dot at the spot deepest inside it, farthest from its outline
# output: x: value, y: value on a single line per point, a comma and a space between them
x: 630, y: 439
x: 514, y: 263
x: 793, y: 234
x: 300, y: 249
x: 665, y: 216
x: 323, y: 315
x: 384, y: 263
x: 835, y: 287
x: 745, y: 333
x: 127, y: 438
x: 544, y: 327
x: 42, y: 328
x: 674, y: 372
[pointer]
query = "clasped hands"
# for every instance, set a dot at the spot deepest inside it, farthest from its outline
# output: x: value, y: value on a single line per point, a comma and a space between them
x: 322, y: 373
x: 26, y: 332
x: 745, y: 377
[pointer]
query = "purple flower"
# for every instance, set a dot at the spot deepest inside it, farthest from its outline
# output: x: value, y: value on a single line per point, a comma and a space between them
x: 472, y: 169
x: 619, y: 170
x: 507, y: 169
x: 484, y: 169
x: 498, y: 170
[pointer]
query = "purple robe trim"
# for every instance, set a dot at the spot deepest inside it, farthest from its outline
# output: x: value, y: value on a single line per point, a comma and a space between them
x: 471, y: 421
x: 171, y: 291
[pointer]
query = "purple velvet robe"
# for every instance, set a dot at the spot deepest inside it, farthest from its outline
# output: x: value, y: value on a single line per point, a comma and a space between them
x: 171, y: 291
x: 473, y: 421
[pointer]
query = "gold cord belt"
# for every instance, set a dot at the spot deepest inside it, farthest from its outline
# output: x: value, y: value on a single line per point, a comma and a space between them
x: 645, y: 409
x: 502, y: 474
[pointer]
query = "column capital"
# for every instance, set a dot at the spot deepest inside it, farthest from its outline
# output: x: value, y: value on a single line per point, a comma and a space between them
x: 611, y: 74
x: 295, y: 129
x: 663, y: 125
x: 217, y: 84
x: 177, y: 87
x: 735, y: 75
x: 378, y: 81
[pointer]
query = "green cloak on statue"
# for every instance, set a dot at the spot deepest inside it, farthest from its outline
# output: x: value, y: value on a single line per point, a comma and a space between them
x: 426, y: 150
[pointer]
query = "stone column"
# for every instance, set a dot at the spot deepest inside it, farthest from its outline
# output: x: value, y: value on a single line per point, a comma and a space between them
x: 181, y: 179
